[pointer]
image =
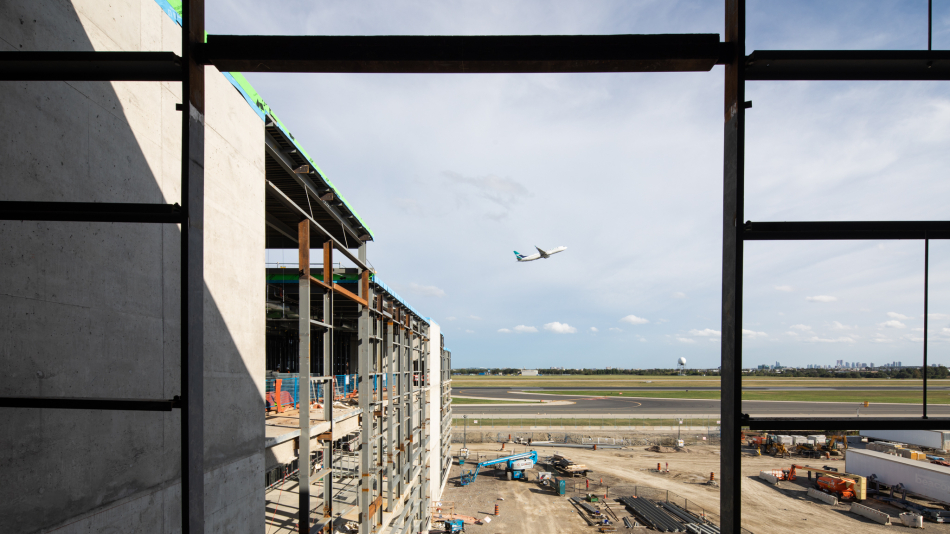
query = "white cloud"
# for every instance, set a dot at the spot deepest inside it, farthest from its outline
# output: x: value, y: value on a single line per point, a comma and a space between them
x: 504, y: 330
x: 685, y: 339
x: 705, y: 332
x: 791, y: 333
x: 938, y: 316
x: 912, y: 338
x: 560, y: 328
x: 633, y: 319
x: 475, y: 317
x: 835, y: 325
x: 817, y: 339
x: 881, y: 338
x: 783, y: 288
x: 450, y: 318
x: 895, y: 315
x: 802, y: 327
x: 522, y: 329
x: 679, y: 295
x: 615, y: 330
x: 643, y: 340
x: 892, y: 324
x: 593, y: 329
x: 426, y: 291
x: 469, y: 331
x: 821, y: 298
x: 751, y: 334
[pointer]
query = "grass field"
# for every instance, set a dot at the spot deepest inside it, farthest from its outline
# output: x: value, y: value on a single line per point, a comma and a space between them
x: 675, y: 381
x: 456, y: 400
x: 900, y: 397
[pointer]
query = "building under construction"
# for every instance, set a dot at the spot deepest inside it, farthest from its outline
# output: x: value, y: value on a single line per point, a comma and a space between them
x: 101, y: 311
x: 135, y: 218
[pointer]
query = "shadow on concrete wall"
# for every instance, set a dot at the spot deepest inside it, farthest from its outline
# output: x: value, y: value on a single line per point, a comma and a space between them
x: 91, y: 309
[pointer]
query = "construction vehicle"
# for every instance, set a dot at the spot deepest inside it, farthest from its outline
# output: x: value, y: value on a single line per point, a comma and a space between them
x: 809, y: 450
x: 771, y: 444
x: 515, y: 466
x: 829, y: 480
x: 833, y: 445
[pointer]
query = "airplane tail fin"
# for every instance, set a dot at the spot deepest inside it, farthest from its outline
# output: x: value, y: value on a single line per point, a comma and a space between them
x: 518, y: 255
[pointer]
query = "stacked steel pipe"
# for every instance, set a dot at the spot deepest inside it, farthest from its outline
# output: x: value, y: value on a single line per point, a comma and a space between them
x: 652, y: 514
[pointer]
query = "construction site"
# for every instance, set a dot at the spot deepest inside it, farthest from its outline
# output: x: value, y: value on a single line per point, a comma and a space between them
x: 163, y: 377
x: 657, y: 481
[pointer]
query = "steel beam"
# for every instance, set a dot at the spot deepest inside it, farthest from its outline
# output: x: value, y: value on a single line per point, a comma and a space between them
x: 846, y: 423
x: 845, y: 230
x: 463, y: 54
x: 365, y: 385
x: 329, y: 387
x: 192, y: 271
x: 733, y: 206
x: 91, y: 66
x: 848, y: 65
x: 303, y: 377
x: 91, y: 212
x: 71, y: 403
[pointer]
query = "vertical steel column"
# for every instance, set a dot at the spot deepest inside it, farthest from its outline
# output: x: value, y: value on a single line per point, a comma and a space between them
x: 192, y: 270
x: 328, y: 371
x: 926, y: 303
x: 303, y: 373
x: 365, y: 393
x: 390, y: 362
x: 732, y: 214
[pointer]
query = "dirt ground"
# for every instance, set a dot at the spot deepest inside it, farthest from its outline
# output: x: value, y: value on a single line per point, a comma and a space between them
x: 528, y: 508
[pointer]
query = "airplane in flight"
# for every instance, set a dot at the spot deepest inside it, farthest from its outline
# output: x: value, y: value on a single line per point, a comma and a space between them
x: 541, y: 254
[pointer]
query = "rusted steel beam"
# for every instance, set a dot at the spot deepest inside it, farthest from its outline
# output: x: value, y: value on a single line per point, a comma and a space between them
x: 348, y: 294
x: 463, y: 53
x: 320, y: 283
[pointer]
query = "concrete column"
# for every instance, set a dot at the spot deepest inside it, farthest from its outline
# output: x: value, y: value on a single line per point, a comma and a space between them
x: 303, y: 380
x: 434, y: 369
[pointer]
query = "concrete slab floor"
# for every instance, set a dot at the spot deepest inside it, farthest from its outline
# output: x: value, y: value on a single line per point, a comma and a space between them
x: 282, y: 503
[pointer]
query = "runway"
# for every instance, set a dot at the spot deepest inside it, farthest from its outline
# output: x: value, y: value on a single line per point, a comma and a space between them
x: 642, y: 407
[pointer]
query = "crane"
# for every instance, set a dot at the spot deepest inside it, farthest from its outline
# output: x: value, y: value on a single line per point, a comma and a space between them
x: 515, y: 466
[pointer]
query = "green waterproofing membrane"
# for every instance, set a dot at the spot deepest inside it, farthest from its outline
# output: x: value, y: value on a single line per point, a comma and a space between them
x: 172, y: 8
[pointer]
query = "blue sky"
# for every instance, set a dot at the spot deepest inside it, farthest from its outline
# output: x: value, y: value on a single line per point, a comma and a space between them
x: 454, y: 172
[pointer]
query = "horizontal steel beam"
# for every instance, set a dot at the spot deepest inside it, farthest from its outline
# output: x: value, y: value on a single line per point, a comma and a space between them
x: 463, y: 54
x: 66, y: 403
x: 90, y: 212
x: 91, y: 66
x: 846, y: 423
x: 845, y: 230
x: 848, y: 65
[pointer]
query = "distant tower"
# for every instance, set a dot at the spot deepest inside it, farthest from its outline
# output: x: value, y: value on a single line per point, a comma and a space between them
x: 681, y: 365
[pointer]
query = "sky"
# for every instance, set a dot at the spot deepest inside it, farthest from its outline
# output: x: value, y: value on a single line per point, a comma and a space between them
x: 455, y: 172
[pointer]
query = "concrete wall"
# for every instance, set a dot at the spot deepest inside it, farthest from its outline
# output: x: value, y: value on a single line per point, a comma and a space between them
x: 91, y: 309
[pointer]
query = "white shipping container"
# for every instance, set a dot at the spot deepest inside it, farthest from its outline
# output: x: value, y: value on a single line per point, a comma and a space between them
x: 785, y: 440
x: 927, y: 479
x: 819, y: 438
x: 799, y: 439
x: 934, y: 439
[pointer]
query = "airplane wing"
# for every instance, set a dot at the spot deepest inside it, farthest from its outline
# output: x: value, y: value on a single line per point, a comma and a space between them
x: 547, y: 253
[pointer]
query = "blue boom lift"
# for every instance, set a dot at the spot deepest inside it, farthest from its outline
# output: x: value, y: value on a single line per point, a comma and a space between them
x: 515, y: 466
